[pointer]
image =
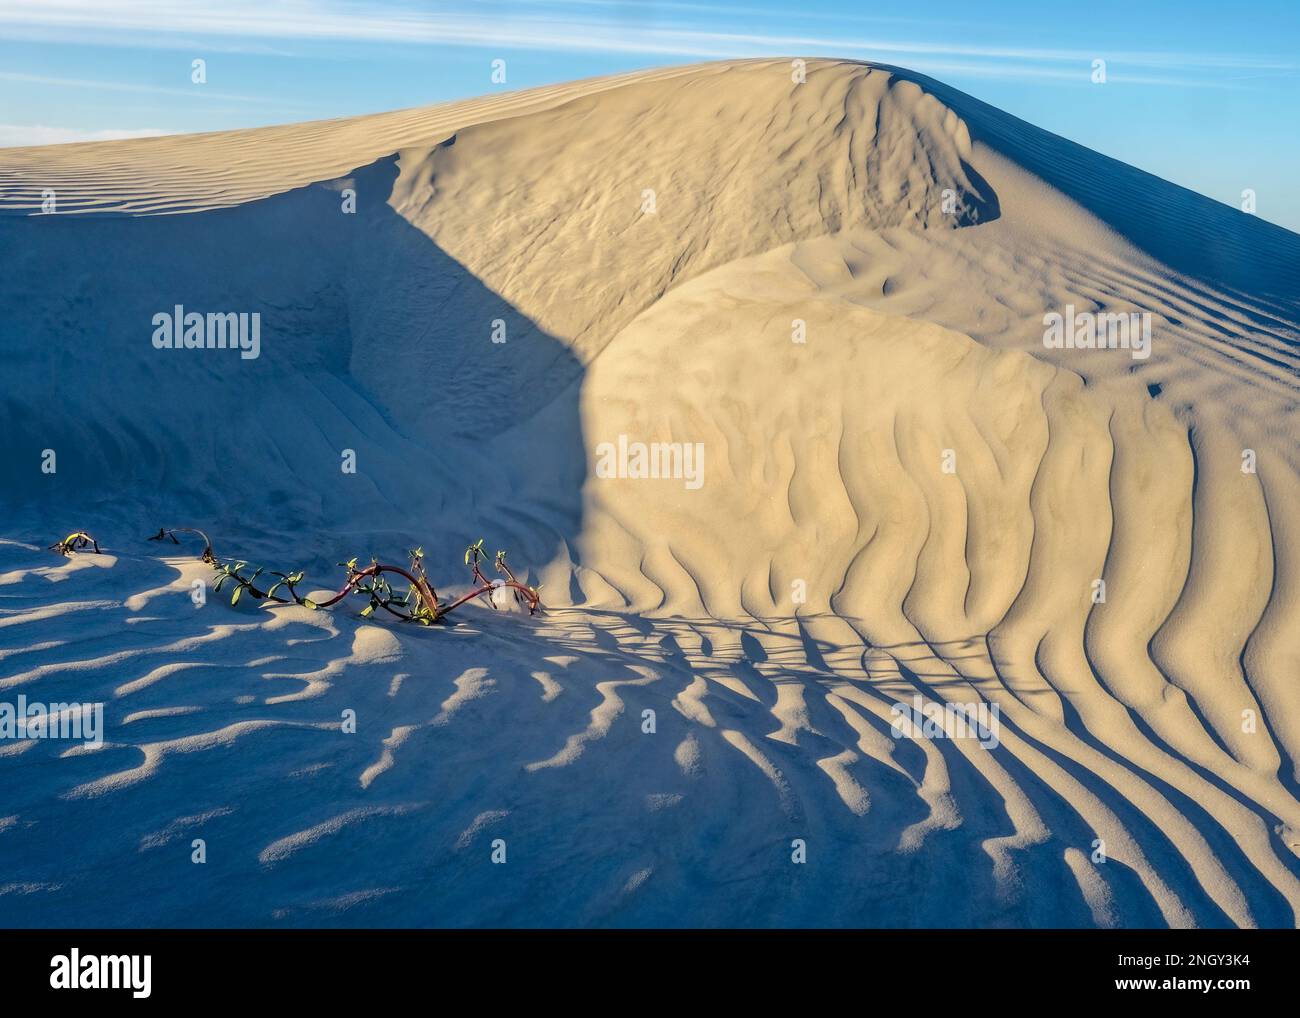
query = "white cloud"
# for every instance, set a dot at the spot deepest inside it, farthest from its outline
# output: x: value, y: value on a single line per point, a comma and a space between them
x: 16, y: 135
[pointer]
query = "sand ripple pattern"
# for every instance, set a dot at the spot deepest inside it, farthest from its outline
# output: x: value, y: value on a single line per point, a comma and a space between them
x: 919, y: 499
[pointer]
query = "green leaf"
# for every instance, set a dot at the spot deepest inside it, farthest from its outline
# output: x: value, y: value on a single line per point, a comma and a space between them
x: 368, y: 610
x: 235, y: 600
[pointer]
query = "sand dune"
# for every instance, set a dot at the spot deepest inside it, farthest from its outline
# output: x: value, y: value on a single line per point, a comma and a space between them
x: 836, y: 292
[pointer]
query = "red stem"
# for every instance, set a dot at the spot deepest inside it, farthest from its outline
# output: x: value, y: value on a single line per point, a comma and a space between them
x: 420, y: 584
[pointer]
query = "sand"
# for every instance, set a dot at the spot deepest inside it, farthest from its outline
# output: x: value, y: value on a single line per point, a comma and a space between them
x: 835, y: 291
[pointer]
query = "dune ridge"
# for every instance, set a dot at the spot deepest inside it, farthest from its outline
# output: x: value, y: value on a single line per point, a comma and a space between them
x: 904, y: 492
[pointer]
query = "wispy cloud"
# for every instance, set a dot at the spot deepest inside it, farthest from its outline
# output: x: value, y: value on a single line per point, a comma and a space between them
x: 14, y: 135
x: 201, y: 92
x: 677, y: 29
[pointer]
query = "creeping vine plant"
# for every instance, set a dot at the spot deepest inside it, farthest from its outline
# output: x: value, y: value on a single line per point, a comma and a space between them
x: 75, y: 542
x: 417, y: 603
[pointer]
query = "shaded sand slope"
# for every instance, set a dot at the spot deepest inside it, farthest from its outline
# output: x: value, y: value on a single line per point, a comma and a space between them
x: 837, y: 288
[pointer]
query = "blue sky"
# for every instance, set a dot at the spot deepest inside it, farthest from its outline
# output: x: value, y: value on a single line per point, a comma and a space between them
x: 1206, y: 94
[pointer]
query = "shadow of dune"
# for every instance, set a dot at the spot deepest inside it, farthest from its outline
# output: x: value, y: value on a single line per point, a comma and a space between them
x: 373, y: 340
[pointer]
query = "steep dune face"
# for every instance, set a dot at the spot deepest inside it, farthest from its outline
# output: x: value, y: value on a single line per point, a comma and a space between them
x: 819, y: 307
x: 547, y: 209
